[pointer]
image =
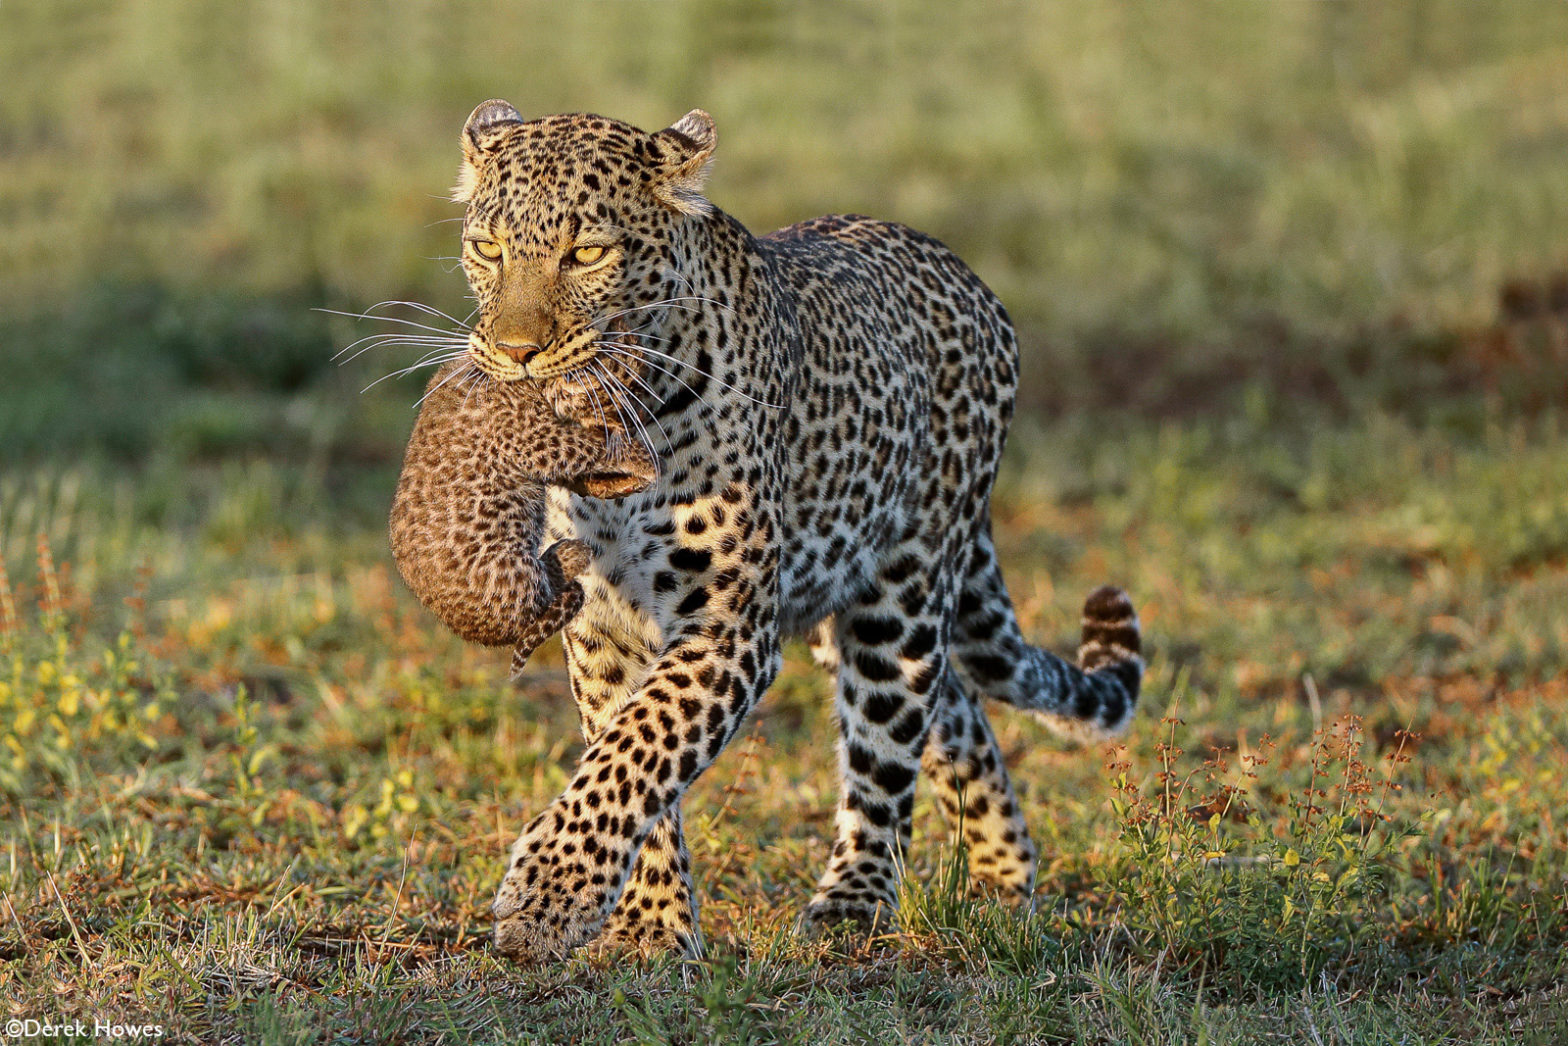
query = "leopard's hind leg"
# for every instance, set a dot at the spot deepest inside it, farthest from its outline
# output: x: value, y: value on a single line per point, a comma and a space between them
x: 964, y: 764
x: 990, y: 658
x: 891, y: 647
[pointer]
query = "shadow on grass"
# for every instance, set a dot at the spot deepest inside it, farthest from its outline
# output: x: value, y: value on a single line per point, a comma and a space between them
x: 1518, y: 361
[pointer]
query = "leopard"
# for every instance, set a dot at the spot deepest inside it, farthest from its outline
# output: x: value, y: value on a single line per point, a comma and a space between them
x: 469, y: 509
x: 828, y: 404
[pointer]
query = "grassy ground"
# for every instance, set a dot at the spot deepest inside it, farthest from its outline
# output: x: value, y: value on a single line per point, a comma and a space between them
x: 250, y: 791
x: 253, y: 783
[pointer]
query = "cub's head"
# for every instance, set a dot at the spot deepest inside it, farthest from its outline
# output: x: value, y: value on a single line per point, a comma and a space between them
x: 571, y: 220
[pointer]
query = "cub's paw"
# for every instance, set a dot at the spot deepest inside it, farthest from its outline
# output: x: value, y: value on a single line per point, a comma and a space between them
x: 571, y: 558
x: 611, y: 486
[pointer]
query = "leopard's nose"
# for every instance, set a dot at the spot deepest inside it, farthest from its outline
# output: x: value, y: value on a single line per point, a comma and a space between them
x: 521, y: 351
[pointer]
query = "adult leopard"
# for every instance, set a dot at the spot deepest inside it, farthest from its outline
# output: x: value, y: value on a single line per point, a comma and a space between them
x: 828, y: 404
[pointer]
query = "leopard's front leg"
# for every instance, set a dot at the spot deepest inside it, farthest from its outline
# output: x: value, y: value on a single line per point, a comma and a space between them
x: 571, y: 863
x: 657, y: 911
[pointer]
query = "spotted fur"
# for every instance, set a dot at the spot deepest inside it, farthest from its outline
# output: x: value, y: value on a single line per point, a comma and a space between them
x: 828, y: 404
x: 469, y: 511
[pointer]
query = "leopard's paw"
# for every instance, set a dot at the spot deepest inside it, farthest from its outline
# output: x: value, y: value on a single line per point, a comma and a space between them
x: 551, y: 901
x: 641, y: 944
x: 856, y: 916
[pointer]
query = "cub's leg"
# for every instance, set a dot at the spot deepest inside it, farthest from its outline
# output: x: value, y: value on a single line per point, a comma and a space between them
x: 890, y: 645
x: 561, y: 563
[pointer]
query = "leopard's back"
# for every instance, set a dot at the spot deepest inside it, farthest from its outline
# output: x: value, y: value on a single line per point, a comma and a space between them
x: 907, y: 369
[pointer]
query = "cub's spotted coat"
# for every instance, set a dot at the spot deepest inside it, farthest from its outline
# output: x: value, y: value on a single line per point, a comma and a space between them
x: 829, y: 404
x: 470, y: 505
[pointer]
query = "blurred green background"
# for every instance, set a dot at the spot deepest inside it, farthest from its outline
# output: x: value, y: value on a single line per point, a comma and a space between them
x: 1173, y: 200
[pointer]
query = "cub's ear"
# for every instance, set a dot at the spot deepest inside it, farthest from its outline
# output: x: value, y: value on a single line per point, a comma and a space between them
x: 686, y: 150
x: 483, y: 130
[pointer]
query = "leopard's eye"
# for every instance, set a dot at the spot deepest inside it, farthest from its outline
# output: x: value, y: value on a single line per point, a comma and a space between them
x: 586, y: 255
x: 489, y: 250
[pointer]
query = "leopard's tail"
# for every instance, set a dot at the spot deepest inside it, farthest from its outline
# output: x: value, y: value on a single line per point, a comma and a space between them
x: 1092, y: 699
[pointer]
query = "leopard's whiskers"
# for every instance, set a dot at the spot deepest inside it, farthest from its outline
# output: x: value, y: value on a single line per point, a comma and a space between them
x: 390, y: 319
x: 681, y: 278
x: 617, y: 391
x: 640, y: 331
x: 686, y: 281
x: 639, y: 379
x: 399, y: 338
x: 457, y: 372
x: 423, y: 363
x: 638, y: 337
x: 474, y: 378
x: 597, y: 405
x: 441, y: 345
x: 677, y: 302
x: 428, y: 310
x: 627, y: 427
x: 637, y: 349
x: 617, y: 383
x: 612, y: 349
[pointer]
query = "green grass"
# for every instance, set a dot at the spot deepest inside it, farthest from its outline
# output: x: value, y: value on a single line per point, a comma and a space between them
x: 251, y: 791
x: 268, y: 785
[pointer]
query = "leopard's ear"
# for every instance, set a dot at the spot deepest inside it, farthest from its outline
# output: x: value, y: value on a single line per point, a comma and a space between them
x: 686, y: 151
x: 484, y: 129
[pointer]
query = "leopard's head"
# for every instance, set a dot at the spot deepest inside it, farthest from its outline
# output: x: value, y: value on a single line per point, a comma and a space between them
x: 572, y: 220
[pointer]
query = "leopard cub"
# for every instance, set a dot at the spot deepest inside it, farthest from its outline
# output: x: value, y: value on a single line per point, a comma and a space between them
x: 469, y: 513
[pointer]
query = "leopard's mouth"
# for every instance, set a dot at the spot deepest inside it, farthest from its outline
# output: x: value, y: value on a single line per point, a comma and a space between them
x: 609, y: 485
x: 497, y: 364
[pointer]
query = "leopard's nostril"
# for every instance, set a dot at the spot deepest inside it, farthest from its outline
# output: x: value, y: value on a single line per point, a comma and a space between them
x: 522, y: 352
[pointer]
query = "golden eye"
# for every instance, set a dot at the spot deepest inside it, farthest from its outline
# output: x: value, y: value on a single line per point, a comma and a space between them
x: 587, y: 255
x: 489, y: 250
